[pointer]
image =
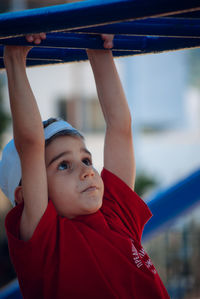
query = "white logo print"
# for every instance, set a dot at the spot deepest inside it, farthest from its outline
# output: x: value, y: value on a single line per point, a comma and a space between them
x: 136, y: 256
x: 141, y: 258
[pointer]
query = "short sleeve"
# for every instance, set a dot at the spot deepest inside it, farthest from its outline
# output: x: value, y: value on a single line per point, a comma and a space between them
x: 45, y: 229
x: 12, y: 224
x: 28, y: 256
x: 124, y: 210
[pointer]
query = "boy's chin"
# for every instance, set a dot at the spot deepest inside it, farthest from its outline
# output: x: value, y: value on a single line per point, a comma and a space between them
x: 93, y: 209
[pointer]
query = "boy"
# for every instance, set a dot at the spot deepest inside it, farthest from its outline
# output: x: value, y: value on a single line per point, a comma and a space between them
x: 73, y: 233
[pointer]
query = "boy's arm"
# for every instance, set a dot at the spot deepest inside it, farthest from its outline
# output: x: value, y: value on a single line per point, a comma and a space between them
x: 29, y: 139
x: 118, y: 149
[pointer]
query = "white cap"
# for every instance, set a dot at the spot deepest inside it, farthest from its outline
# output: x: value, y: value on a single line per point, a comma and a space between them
x: 10, y: 166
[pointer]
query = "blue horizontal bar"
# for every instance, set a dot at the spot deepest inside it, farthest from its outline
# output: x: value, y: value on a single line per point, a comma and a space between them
x: 55, y: 46
x: 37, y: 56
x: 168, y: 27
x: 166, y: 206
x: 88, y: 13
x: 189, y: 15
x: 10, y: 291
x: 80, y: 41
x: 44, y: 56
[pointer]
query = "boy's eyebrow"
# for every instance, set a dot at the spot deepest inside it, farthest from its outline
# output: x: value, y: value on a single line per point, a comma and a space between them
x: 67, y: 153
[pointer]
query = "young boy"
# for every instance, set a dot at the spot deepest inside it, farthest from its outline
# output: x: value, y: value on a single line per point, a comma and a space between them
x: 74, y: 233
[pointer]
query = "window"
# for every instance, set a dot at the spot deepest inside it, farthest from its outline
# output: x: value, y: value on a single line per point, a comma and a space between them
x: 85, y: 115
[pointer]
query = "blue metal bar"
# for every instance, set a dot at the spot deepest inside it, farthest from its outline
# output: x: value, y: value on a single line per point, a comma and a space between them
x: 169, y: 204
x: 143, y: 44
x: 39, y: 56
x: 10, y: 291
x: 190, y: 15
x: 88, y: 13
x: 54, y: 48
x: 168, y: 27
x: 81, y: 41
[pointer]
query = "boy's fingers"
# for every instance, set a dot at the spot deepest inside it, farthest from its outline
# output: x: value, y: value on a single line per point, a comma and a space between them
x: 29, y: 38
x: 108, y: 40
x: 108, y: 45
x: 36, y: 38
x: 37, y: 41
x: 43, y: 35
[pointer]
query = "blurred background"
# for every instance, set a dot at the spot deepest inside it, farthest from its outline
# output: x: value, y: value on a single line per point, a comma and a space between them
x: 163, y: 92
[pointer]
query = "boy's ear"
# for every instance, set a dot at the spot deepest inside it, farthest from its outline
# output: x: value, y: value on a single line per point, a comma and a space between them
x: 18, y: 195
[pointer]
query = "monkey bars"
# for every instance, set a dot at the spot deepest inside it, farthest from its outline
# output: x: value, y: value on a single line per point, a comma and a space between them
x: 167, y: 205
x: 140, y: 27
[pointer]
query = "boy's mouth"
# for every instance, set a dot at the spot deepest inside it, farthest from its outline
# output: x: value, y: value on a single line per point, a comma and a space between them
x: 90, y: 189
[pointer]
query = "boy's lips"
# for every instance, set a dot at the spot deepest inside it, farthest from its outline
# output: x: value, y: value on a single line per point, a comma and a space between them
x: 90, y: 188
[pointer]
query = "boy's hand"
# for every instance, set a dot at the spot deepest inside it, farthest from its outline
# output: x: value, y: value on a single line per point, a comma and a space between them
x: 36, y: 38
x: 20, y: 52
x: 15, y: 53
x: 108, y: 40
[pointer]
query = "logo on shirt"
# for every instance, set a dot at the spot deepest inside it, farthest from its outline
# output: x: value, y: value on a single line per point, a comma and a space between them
x: 141, y: 258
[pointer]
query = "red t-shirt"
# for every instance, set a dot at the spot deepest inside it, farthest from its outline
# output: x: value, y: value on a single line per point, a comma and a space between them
x: 91, y: 256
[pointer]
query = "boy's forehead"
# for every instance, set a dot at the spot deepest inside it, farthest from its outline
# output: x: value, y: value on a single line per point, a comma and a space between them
x: 68, y: 144
x: 67, y: 141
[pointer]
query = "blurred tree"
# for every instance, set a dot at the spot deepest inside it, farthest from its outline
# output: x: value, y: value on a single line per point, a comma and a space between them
x: 4, y: 117
x: 144, y: 183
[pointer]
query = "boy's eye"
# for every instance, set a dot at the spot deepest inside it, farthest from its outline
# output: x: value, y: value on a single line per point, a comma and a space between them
x: 87, y: 161
x: 63, y: 166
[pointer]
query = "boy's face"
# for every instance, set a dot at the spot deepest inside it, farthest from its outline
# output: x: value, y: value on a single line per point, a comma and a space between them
x: 74, y: 186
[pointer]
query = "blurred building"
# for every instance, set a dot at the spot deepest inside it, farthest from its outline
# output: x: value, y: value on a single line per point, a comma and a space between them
x: 165, y: 111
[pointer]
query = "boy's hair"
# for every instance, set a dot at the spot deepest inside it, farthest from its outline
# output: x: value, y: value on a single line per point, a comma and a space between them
x: 66, y: 132
x: 10, y: 166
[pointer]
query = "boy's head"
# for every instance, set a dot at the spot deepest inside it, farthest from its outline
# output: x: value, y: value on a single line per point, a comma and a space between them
x: 74, y: 186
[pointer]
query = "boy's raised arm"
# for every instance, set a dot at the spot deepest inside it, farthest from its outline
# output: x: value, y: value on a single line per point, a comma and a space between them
x: 118, y: 150
x: 29, y: 140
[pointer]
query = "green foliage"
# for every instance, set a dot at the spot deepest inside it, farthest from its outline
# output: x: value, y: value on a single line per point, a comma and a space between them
x: 4, y: 117
x: 143, y: 183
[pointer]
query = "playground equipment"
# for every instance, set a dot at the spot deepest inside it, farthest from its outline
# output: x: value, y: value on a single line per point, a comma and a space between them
x: 140, y: 27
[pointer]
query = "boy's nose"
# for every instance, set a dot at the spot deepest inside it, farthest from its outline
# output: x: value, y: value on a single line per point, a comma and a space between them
x: 87, y: 171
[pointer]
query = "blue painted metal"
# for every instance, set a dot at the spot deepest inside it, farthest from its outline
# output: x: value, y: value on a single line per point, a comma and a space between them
x: 38, y: 56
x: 11, y: 291
x: 169, y: 27
x: 80, y: 41
x: 190, y: 15
x: 64, y: 47
x: 126, y: 43
x: 166, y: 206
x: 88, y: 13
x: 80, y: 15
x: 60, y: 56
